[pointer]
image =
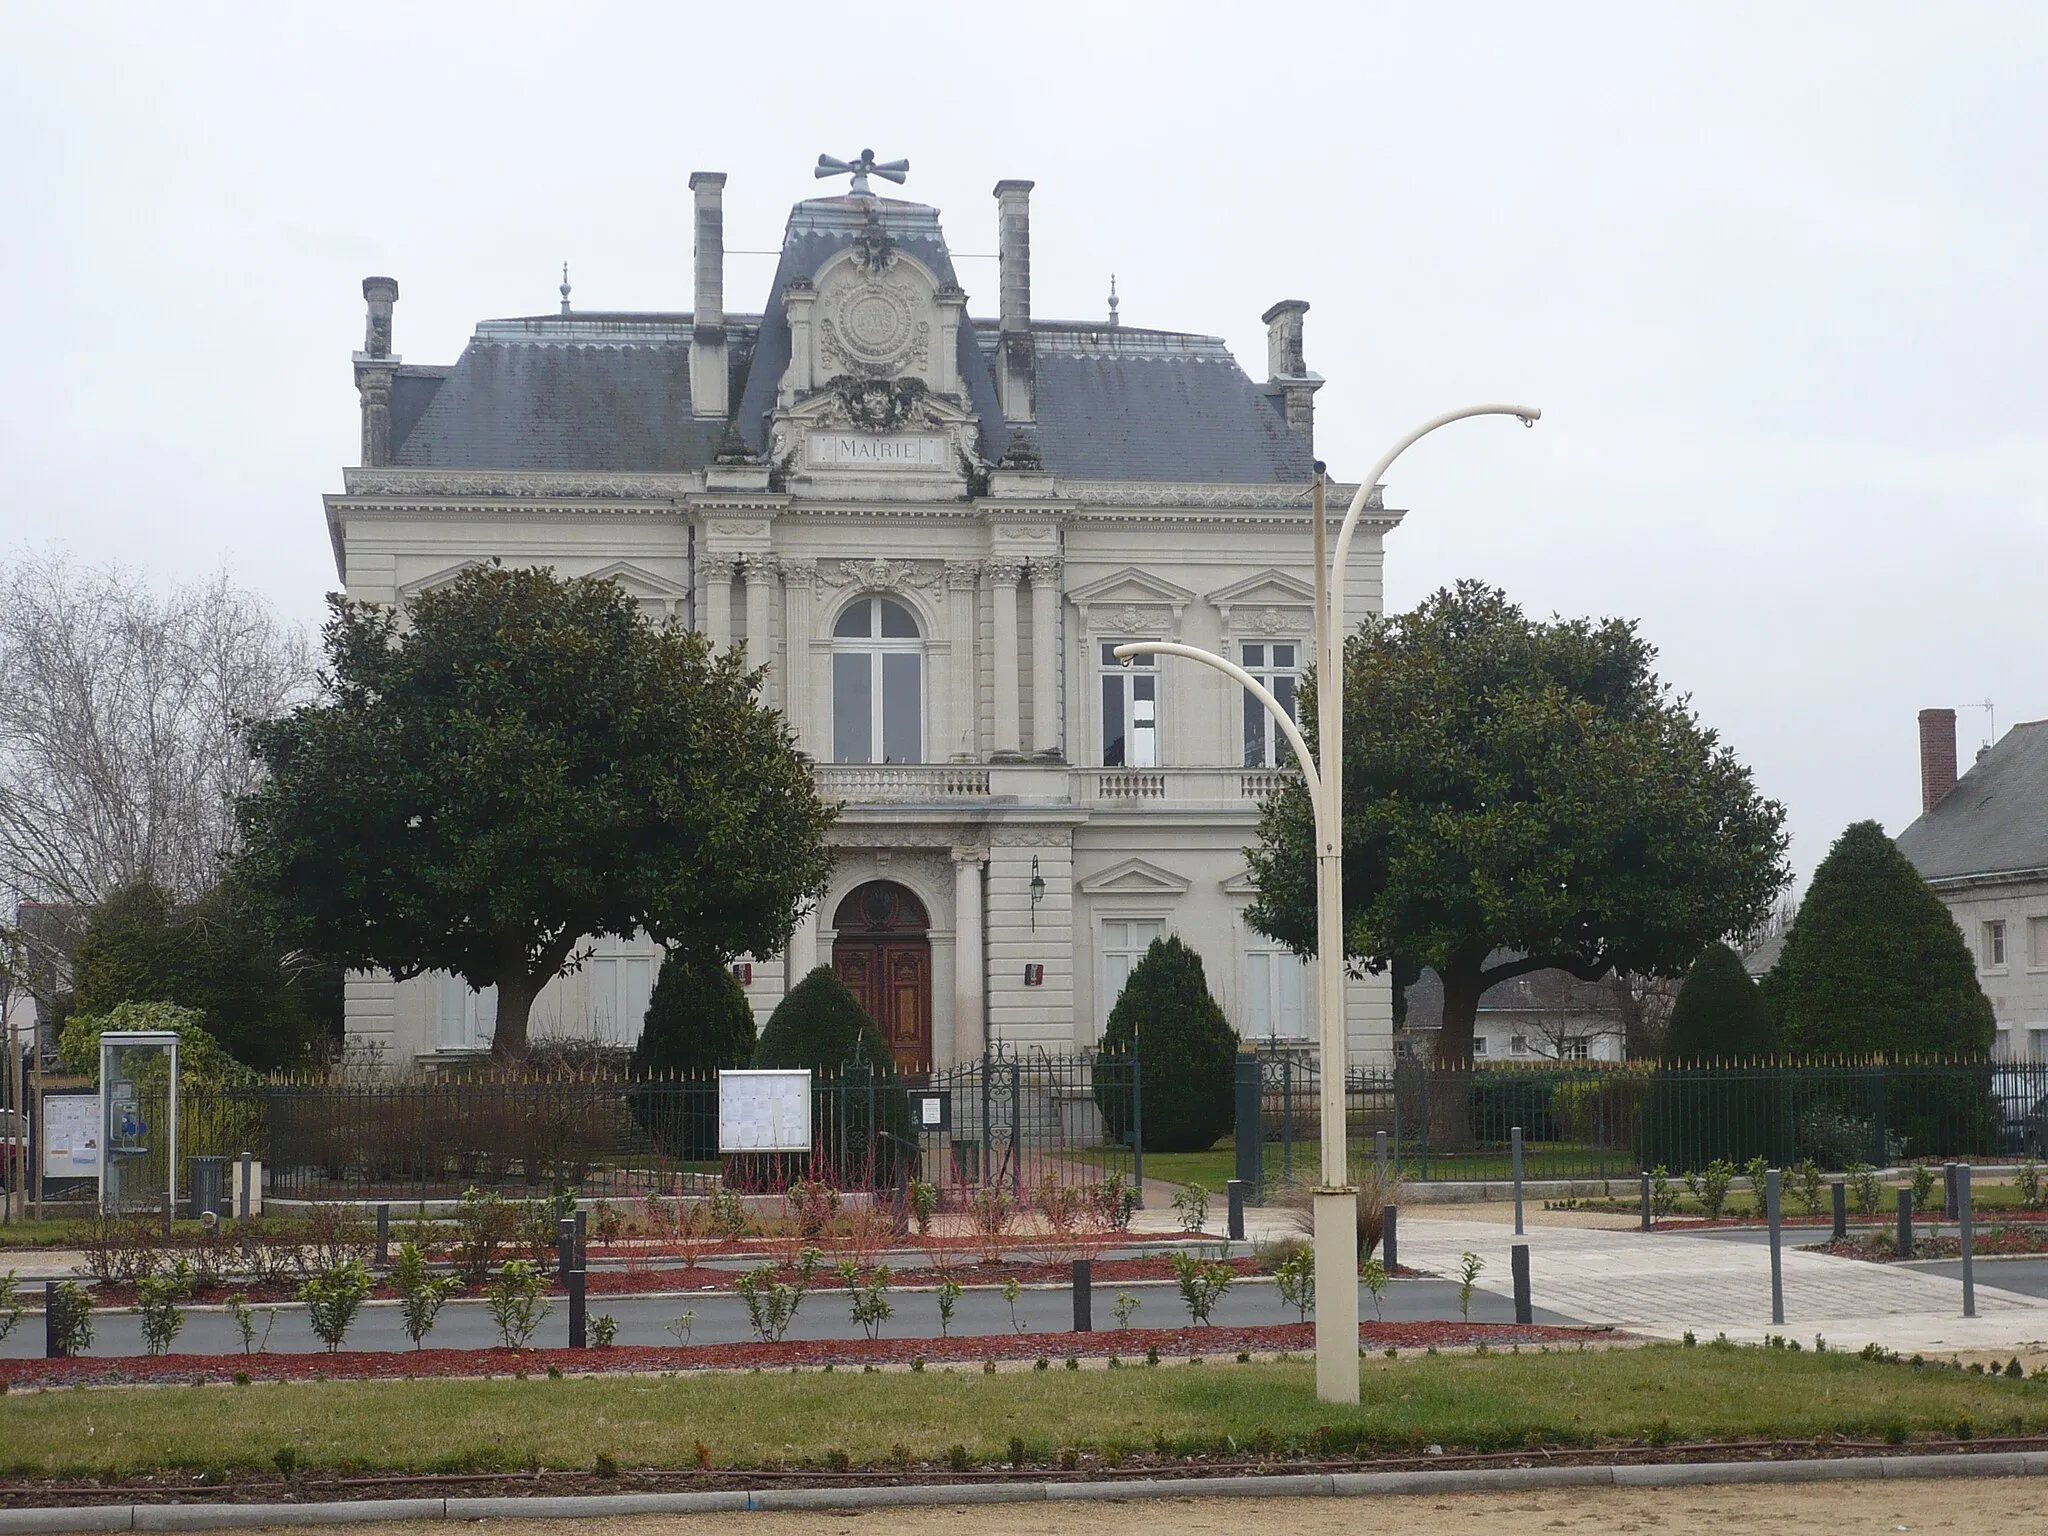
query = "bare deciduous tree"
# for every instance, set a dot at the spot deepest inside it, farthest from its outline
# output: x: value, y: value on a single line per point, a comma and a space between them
x: 120, y: 753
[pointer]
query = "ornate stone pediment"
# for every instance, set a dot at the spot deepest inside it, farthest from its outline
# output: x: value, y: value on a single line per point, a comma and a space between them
x: 1136, y: 877
x: 439, y: 578
x: 1130, y: 601
x: 1269, y: 603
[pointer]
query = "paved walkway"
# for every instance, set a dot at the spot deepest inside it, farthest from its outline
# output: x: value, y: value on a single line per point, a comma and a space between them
x: 1664, y: 1284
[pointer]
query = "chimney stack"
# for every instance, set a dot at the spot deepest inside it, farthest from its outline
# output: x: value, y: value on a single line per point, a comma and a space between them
x: 710, y: 386
x: 1937, y: 756
x: 375, y: 365
x: 1016, y: 371
x: 1287, y: 372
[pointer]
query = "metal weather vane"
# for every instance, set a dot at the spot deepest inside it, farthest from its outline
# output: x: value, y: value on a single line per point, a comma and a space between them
x: 861, y: 169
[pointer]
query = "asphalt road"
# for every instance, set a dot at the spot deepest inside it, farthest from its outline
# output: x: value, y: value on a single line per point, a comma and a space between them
x: 722, y: 1318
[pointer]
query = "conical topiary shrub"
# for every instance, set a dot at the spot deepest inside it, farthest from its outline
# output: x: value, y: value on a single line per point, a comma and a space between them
x: 1719, y: 1013
x: 1874, y: 964
x: 698, y: 1020
x: 1186, y: 1051
x: 860, y: 1130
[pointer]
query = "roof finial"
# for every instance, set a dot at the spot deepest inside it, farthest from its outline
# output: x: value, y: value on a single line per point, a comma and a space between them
x: 565, y: 287
x: 1112, y: 301
x: 860, y: 170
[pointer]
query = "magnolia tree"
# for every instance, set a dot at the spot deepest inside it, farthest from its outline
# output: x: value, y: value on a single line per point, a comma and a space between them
x: 1518, y: 797
x: 520, y: 763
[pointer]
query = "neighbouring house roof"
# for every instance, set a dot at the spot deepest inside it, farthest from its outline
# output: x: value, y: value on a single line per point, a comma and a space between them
x: 1545, y: 993
x: 611, y: 390
x: 1995, y: 821
x: 1759, y: 960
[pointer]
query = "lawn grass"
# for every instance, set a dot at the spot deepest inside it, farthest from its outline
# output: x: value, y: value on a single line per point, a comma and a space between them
x: 1660, y: 1393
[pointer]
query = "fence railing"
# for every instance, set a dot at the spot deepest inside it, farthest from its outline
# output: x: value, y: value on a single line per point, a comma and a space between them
x: 1004, y: 1119
x: 1591, y: 1121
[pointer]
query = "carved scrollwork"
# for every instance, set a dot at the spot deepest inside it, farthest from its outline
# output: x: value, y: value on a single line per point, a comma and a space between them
x: 880, y: 573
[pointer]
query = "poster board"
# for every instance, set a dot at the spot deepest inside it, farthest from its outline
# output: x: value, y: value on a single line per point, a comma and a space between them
x: 71, y: 1136
x: 764, y: 1111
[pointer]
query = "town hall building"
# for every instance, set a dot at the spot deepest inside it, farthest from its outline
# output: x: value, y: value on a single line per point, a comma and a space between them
x: 933, y: 527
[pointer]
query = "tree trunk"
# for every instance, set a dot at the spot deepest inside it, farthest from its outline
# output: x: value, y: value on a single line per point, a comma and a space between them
x: 1450, y: 1069
x: 516, y: 990
x: 1462, y: 989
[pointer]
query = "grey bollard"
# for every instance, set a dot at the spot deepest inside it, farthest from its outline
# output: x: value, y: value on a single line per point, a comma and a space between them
x: 1084, y: 1296
x: 579, y: 1322
x: 1515, y: 1140
x: 1234, y: 1227
x: 1388, y: 1251
x: 1966, y: 1224
x: 582, y: 1235
x: 1948, y: 1191
x: 565, y: 1247
x: 50, y: 1349
x: 242, y: 1199
x: 1773, y: 1181
x: 1647, y: 1223
x: 1905, y: 1239
x: 1518, y: 1257
x: 383, y: 1237
x: 1840, y: 1192
x: 1379, y: 1155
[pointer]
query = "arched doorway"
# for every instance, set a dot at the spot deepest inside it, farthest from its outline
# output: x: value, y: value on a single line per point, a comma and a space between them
x: 883, y: 955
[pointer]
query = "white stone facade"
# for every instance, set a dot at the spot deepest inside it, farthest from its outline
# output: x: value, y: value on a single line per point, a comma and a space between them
x: 918, y: 596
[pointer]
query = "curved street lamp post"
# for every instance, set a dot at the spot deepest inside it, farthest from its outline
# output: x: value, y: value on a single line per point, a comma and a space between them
x: 1336, y: 1241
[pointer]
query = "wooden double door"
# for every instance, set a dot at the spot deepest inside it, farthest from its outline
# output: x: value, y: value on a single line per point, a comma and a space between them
x: 884, y: 955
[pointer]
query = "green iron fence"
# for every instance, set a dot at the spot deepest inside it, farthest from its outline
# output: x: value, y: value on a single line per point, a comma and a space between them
x: 1007, y: 1118
x: 1594, y: 1120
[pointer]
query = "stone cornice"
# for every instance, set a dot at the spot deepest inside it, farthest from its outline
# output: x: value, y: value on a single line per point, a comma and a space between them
x: 516, y: 483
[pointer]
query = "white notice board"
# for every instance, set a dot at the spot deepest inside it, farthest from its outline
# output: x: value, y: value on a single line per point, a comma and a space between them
x: 71, y: 1136
x: 764, y: 1111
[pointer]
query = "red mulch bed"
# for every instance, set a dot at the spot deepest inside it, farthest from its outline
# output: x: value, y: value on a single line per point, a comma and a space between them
x: 1985, y: 1242
x: 1130, y: 1344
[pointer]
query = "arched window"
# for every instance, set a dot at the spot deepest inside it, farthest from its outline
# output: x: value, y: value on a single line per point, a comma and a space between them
x: 877, y: 684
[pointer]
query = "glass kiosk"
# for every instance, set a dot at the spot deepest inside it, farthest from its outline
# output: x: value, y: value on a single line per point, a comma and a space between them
x: 139, y: 1122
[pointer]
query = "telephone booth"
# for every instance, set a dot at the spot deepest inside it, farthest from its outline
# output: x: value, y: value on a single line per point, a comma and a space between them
x: 139, y: 1122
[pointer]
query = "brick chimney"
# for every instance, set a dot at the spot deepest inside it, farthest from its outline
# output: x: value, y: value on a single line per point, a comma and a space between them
x: 1016, y: 371
x: 1287, y: 372
x: 1937, y: 756
x: 375, y: 366
x: 710, y: 382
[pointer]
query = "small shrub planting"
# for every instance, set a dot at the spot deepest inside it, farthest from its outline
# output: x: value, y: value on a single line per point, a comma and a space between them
x: 333, y: 1298
x: 1202, y: 1283
x: 518, y: 1306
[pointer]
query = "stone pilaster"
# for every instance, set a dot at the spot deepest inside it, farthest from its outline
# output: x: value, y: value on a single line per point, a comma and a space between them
x: 961, y: 733
x: 1046, y: 735
x: 1003, y: 576
x: 799, y: 582
x: 718, y: 570
x: 970, y: 964
x: 761, y: 577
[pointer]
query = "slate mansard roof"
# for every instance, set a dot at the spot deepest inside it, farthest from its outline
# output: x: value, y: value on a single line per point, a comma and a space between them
x: 1995, y: 821
x: 611, y: 391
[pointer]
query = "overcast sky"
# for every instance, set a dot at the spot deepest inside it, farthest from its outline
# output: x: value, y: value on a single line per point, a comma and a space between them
x: 1772, y: 272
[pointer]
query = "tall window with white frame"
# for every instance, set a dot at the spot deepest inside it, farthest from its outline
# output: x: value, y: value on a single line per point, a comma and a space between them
x: 1130, y: 710
x: 1994, y: 945
x: 877, y: 684
x: 1124, y: 942
x: 1276, y: 992
x: 1277, y: 664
